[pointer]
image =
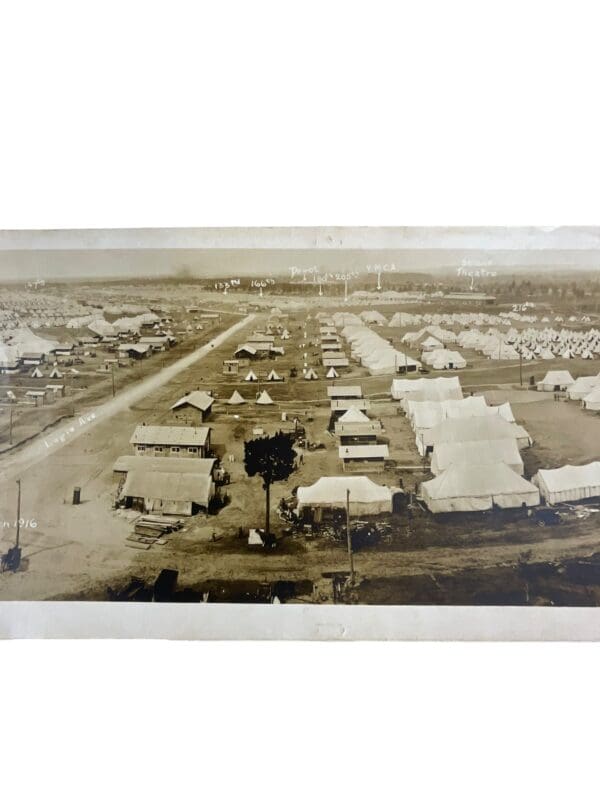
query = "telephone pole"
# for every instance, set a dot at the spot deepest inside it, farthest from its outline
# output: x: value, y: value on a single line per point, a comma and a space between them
x: 349, y: 539
x: 521, y: 368
x: 18, y: 512
x: 112, y: 375
x: 10, y: 426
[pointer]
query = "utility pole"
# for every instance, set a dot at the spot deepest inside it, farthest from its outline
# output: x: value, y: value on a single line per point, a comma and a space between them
x: 521, y: 368
x: 10, y: 439
x: 18, y: 512
x: 350, y: 554
x: 112, y: 375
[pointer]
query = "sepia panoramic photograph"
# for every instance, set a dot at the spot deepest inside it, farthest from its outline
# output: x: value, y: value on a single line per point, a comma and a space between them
x: 389, y: 416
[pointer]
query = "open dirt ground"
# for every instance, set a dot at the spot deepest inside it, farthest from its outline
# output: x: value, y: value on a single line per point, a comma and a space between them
x: 78, y: 551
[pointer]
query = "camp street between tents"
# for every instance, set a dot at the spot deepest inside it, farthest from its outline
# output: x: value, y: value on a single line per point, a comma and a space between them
x: 42, y: 446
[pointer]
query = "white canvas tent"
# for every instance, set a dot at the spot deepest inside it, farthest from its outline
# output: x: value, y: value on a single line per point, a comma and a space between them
x: 37, y: 373
x: 591, y: 402
x: 546, y: 354
x: 264, y: 399
x: 55, y: 373
x: 473, y: 429
x: 478, y: 487
x: 310, y: 375
x: 569, y: 483
x: 555, y: 381
x: 430, y: 343
x: 427, y: 388
x: 445, y: 359
x: 273, y: 376
x: 366, y: 497
x: 497, y: 451
x: 236, y: 399
x: 583, y: 387
x: 332, y: 373
x: 251, y: 377
x: 423, y: 414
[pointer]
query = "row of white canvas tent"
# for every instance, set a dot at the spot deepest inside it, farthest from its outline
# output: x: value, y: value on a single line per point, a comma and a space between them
x: 376, y: 353
x: 263, y: 399
x: 475, y: 447
x: 402, y: 319
x: 494, y: 343
x: 476, y: 456
x: 39, y: 373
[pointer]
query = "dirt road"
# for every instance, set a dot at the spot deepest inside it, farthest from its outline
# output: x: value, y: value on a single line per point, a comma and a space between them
x: 32, y: 453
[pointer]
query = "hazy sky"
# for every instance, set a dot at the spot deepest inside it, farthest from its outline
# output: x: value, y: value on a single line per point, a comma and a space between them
x: 247, y: 251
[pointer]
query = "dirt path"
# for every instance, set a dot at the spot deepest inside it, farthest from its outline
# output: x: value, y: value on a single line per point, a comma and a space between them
x: 42, y: 446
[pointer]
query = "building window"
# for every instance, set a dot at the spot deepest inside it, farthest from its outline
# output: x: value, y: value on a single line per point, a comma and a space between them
x: 158, y: 449
x: 174, y: 449
x: 141, y: 448
x: 192, y: 449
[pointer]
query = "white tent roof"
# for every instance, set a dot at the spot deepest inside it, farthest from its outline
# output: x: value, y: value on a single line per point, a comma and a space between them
x: 332, y: 373
x: 251, y: 376
x: 264, y: 399
x: 427, y: 413
x: 496, y: 451
x: 569, y: 483
x: 366, y: 497
x: 558, y: 377
x: 592, y: 400
x: 583, y: 386
x: 474, y: 429
x: 429, y: 388
x: 236, y: 399
x: 478, y: 488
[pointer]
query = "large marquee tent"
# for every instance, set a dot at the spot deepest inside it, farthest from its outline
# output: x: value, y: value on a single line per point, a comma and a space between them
x: 478, y: 487
x: 569, y: 483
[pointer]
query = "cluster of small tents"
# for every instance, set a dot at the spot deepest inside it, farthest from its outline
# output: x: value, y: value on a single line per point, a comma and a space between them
x: 403, y: 319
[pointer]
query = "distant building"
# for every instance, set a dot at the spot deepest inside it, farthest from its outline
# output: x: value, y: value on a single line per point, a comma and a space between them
x: 37, y: 396
x: 156, y: 342
x: 344, y: 392
x: 171, y: 440
x: 32, y: 359
x: 363, y: 455
x: 201, y: 402
x: 471, y: 297
x: 231, y: 367
x: 10, y: 366
x: 181, y: 493
x: 134, y: 351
